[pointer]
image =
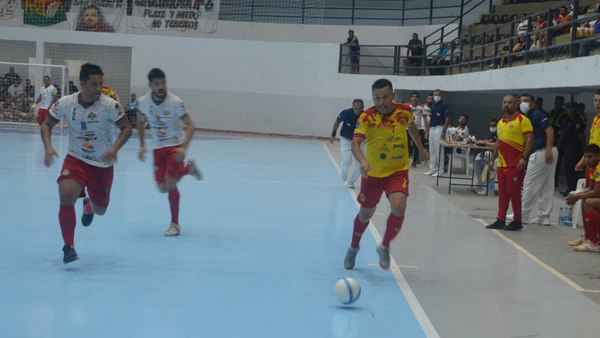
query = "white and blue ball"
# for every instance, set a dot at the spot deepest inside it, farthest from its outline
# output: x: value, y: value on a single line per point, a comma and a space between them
x: 347, y: 290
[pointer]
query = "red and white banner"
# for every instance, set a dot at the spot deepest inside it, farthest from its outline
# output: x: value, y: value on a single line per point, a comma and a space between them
x: 8, y: 9
x: 176, y: 15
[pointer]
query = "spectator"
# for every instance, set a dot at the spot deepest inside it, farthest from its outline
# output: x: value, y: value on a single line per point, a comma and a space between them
x: 585, y: 47
x: 414, y: 54
x: 571, y: 144
x: 420, y: 120
x: 16, y: 90
x: 29, y: 89
x: 565, y: 17
x: 559, y: 119
x: 352, y: 41
x: 581, y: 113
x: 456, y: 55
x: 440, y: 60
x: 483, y: 158
x: 539, y: 104
x: 11, y: 77
x: 590, y: 198
x: 502, y: 50
x: 25, y: 109
x: 537, y: 185
x: 131, y: 110
x: 72, y: 88
x: 556, y: 17
x: 515, y: 141
x: 520, y: 47
x: 8, y: 108
x: 440, y: 119
x: 538, y: 40
x: 523, y: 25
x: 3, y: 90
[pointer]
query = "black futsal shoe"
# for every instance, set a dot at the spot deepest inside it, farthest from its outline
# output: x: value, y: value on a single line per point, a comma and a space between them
x: 85, y: 218
x: 70, y: 254
x: 496, y: 225
x: 513, y: 226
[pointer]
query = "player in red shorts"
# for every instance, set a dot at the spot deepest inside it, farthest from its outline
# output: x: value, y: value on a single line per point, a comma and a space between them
x: 47, y: 98
x: 89, y: 163
x: 385, y: 167
x: 166, y: 114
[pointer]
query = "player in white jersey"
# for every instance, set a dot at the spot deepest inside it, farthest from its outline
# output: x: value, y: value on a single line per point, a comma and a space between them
x: 47, y: 98
x: 89, y: 163
x: 166, y: 114
x: 420, y: 120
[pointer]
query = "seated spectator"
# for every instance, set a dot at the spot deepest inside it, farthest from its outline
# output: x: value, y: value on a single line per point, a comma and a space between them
x: 8, y: 108
x: 16, y: 90
x: 456, y: 55
x: 439, y: 60
x: 3, y: 90
x: 29, y: 89
x: 72, y: 88
x: 483, y: 159
x: 565, y: 17
x: 522, y: 28
x: 538, y: 40
x: 11, y: 77
x: 131, y: 110
x: 25, y: 109
x: 555, y: 17
x: 520, y: 47
x: 501, y: 51
x: 585, y: 47
x: 414, y: 54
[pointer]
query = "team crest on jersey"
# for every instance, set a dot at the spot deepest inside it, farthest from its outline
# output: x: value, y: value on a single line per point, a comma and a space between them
x: 511, y: 126
x: 92, y: 115
x: 167, y: 113
x: 118, y: 106
x: 362, y: 197
x: 402, y: 121
x: 65, y: 172
x: 598, y: 174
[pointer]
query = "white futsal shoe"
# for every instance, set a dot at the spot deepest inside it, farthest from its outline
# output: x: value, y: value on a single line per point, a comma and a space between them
x: 194, y: 170
x: 173, y: 230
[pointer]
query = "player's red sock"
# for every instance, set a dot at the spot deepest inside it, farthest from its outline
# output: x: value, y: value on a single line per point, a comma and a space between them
x: 88, y: 208
x: 67, y: 220
x: 174, y: 203
x: 394, y: 224
x: 590, y: 224
x: 359, y: 229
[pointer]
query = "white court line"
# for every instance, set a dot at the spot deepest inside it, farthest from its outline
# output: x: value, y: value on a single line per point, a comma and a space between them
x: 411, y: 299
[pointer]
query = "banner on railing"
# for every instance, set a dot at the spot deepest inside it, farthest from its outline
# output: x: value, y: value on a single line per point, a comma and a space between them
x: 44, y: 12
x: 176, y: 15
x: 98, y: 16
x: 8, y: 8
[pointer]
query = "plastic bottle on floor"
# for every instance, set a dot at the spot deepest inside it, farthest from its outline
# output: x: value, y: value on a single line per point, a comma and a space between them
x: 561, y: 216
x: 491, y: 188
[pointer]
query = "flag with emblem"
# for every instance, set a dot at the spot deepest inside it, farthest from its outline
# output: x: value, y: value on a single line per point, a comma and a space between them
x: 44, y: 12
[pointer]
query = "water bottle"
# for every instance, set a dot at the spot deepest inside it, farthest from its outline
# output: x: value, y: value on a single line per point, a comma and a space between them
x: 569, y: 221
x: 561, y: 216
x: 491, y: 188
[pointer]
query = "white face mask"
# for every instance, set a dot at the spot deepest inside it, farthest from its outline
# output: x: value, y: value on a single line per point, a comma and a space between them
x: 437, y: 98
x: 524, y: 107
x: 492, y: 129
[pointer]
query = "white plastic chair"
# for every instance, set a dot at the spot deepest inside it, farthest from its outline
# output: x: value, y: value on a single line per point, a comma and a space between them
x: 577, y: 207
x: 465, y: 159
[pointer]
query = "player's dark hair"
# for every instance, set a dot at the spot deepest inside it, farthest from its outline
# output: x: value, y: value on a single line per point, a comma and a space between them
x: 49, y: 77
x: 414, y: 93
x: 465, y: 115
x: 88, y: 70
x: 358, y: 100
x: 382, y: 83
x: 431, y: 94
x: 494, y: 120
x: 351, y: 31
x: 156, y: 73
x: 531, y: 98
x: 592, y: 148
x: 580, y: 104
x: 597, y: 92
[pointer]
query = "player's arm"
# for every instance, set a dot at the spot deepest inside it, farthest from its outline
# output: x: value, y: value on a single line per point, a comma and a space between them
x: 549, y: 142
x: 141, y: 128
x: 593, y: 191
x: 116, y: 98
x: 189, y: 131
x: 46, y: 131
x: 110, y: 157
x: 38, y: 99
x: 414, y: 133
x: 357, y: 140
x: 336, y: 125
x: 522, y: 165
x: 493, y: 158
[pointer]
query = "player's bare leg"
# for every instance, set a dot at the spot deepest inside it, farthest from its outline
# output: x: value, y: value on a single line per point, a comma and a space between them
x: 393, y: 226
x: 69, y: 191
x: 361, y: 222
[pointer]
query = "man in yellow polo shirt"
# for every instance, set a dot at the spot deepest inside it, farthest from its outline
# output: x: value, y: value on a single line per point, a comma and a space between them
x: 594, y: 130
x: 385, y: 167
x: 515, y: 141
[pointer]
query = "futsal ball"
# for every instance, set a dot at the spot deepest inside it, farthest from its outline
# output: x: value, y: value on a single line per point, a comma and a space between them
x: 347, y: 290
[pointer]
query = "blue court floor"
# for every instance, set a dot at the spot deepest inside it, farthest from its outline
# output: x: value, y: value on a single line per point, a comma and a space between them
x: 262, y: 244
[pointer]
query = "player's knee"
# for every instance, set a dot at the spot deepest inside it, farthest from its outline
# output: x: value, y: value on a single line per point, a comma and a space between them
x: 163, y: 188
x: 99, y: 210
x: 365, y: 215
x: 170, y: 184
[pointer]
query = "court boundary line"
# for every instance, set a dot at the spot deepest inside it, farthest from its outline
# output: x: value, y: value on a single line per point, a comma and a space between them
x: 539, y: 261
x: 411, y: 299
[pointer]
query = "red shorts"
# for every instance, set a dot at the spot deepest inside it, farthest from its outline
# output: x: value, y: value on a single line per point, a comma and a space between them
x: 372, y: 187
x: 97, y: 180
x: 42, y: 112
x: 166, y: 165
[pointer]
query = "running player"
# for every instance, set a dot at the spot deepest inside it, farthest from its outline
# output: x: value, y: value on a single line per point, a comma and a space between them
x: 89, y: 163
x: 385, y: 167
x: 47, y: 97
x: 166, y: 114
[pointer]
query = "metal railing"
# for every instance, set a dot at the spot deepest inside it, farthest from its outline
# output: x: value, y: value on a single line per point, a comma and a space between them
x: 470, y: 52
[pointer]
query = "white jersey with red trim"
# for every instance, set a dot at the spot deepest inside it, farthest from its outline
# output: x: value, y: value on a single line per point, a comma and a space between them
x: 91, y: 129
x: 47, y: 93
x: 164, y: 118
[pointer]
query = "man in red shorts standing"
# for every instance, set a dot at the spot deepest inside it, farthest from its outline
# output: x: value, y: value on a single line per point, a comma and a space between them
x: 385, y: 167
x: 89, y: 163
x: 47, y: 98
x: 166, y: 114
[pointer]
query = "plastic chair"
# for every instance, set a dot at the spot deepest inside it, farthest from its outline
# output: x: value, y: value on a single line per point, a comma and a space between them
x: 465, y: 159
x: 577, y: 207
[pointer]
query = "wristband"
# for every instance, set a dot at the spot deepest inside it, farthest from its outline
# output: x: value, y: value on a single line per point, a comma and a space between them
x: 333, y: 133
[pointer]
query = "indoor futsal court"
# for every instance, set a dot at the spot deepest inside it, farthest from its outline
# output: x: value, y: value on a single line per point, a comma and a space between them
x: 262, y: 244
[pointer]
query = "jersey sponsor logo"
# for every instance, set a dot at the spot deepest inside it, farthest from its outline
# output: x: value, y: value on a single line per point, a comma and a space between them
x: 401, y: 146
x: 382, y: 156
x: 161, y: 133
x: 393, y: 138
x: 83, y: 126
x: 598, y: 174
x: 88, y: 133
x: 397, y: 157
x: 87, y: 145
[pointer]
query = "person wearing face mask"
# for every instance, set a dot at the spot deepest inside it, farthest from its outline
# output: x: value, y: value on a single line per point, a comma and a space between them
x: 421, y: 122
x: 440, y: 119
x: 348, y: 119
x: 538, y: 183
x: 571, y: 143
x: 515, y: 141
x: 482, y: 159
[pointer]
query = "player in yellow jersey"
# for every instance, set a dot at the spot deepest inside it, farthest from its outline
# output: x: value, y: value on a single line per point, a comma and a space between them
x: 107, y: 91
x: 385, y: 167
x: 594, y: 130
